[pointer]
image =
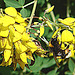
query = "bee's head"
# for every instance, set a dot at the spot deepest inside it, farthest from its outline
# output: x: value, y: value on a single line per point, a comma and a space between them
x: 54, y: 40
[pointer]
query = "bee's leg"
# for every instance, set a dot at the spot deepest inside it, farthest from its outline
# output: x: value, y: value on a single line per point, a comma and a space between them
x: 56, y: 60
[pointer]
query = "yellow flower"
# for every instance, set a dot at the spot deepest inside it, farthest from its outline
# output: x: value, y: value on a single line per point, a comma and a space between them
x: 20, y: 47
x: 49, y: 9
x: 55, y: 33
x: 41, y: 30
x: 31, y: 44
x: 66, y: 36
x: 48, y: 23
x: 7, y: 54
x: 67, y: 21
x: 19, y: 19
x: 11, y: 11
x: 16, y: 45
x: 7, y: 20
x: 74, y: 31
x: 23, y: 57
x: 71, y: 54
x: 19, y: 28
x: 25, y: 36
x: 4, y: 31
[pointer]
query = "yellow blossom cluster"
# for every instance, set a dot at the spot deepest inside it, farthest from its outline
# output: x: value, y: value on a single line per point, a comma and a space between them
x: 66, y: 37
x: 16, y: 45
x: 69, y: 35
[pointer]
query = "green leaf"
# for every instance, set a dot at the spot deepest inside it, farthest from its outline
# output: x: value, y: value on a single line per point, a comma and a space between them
x: 41, y: 2
x: 23, y: 12
x: 21, y: 2
x: 12, y: 3
x: 71, y: 65
x: 68, y: 73
x: 37, y: 65
x: 53, y: 72
x: 48, y: 63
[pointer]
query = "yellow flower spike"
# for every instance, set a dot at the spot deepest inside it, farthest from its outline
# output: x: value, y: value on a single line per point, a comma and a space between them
x: 25, y: 37
x: 66, y: 36
x: 17, y: 36
x: 21, y: 63
x: 19, y: 19
x: 48, y: 23
x: 8, y: 45
x: 7, y: 54
x: 56, y: 32
x: 31, y: 45
x: 74, y: 31
x: 41, y: 30
x: 49, y: 9
x: 7, y: 20
x: 19, y: 28
x: 11, y: 11
x: 23, y: 57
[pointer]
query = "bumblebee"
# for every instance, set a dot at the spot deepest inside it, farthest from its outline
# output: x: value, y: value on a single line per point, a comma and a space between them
x: 55, y: 48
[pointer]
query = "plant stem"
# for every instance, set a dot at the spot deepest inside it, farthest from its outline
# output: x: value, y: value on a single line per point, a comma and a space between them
x: 32, y: 14
x: 28, y: 4
x: 68, y: 6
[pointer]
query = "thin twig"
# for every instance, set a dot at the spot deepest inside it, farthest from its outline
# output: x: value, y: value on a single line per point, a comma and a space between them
x: 28, y: 4
x: 68, y: 8
x: 33, y: 11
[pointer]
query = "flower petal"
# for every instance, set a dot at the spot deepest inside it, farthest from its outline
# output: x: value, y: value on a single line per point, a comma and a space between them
x: 7, y: 54
x: 49, y: 9
x: 25, y: 36
x: 66, y: 36
x: 41, y: 30
x: 23, y: 57
x: 11, y: 11
x: 19, y: 28
x: 7, y: 20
